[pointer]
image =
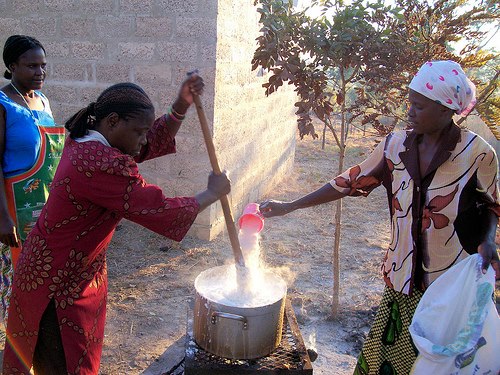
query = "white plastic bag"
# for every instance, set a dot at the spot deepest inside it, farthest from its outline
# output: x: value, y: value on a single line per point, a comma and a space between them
x: 456, y: 327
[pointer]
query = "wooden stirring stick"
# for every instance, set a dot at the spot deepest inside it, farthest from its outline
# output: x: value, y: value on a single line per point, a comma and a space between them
x: 231, y: 228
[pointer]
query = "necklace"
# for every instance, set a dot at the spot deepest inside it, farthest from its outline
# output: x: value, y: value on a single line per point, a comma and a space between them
x: 22, y: 97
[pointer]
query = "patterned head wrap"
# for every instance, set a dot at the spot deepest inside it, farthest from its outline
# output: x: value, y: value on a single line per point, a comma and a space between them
x: 446, y: 83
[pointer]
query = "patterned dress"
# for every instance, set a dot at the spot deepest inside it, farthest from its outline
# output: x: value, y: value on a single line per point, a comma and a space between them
x: 437, y: 219
x: 25, y: 142
x: 64, y: 256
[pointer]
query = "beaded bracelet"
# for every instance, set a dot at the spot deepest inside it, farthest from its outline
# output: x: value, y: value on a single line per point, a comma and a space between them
x: 174, y: 117
x: 177, y: 114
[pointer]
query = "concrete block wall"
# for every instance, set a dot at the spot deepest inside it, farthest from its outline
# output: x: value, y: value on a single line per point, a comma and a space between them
x: 92, y: 44
x: 257, y: 133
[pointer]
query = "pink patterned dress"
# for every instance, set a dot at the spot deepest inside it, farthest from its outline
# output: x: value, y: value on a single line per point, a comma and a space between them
x: 64, y: 257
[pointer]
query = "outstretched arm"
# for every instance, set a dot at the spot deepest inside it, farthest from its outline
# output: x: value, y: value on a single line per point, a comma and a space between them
x: 358, y: 180
x: 324, y: 194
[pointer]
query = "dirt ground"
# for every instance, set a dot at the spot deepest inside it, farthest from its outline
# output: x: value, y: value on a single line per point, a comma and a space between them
x: 151, y: 279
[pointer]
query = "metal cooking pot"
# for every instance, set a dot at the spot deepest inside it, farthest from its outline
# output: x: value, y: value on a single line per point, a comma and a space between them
x: 233, y: 331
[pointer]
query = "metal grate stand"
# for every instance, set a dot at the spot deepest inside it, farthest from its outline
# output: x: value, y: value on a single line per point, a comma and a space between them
x: 289, y: 358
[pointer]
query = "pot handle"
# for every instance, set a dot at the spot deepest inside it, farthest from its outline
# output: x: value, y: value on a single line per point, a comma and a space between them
x: 220, y: 314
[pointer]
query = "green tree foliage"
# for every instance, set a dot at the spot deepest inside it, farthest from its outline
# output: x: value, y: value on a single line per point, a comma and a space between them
x: 488, y: 106
x: 435, y: 30
x: 372, y: 49
x: 324, y: 57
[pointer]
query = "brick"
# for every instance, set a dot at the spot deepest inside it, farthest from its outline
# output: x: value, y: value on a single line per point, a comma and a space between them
x: 177, y: 173
x: 62, y: 112
x: 111, y: 26
x: 103, y: 42
x: 182, y: 186
x: 204, y: 219
x: 156, y: 81
x: 178, y: 6
x: 186, y: 162
x: 9, y: 26
x: 190, y: 142
x: 196, y: 28
x: 201, y: 232
x: 154, y: 93
x: 212, y: 8
x: 41, y: 27
x: 208, y: 53
x: 224, y: 48
x: 136, y: 51
x: 163, y: 101
x: 28, y: 7
x: 158, y: 75
x: 149, y: 170
x: 191, y: 125
x: 56, y: 50
x: 88, y: 50
x: 179, y: 71
x: 73, y: 27
x: 177, y: 52
x: 136, y: 6
x: 71, y: 71
x: 60, y: 93
x: 113, y: 73
x: 229, y: 74
x: 68, y: 6
x: 158, y: 27
x: 93, y: 7
x: 89, y: 94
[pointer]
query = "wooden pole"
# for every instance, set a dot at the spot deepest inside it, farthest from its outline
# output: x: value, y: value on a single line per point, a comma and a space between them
x: 228, y: 216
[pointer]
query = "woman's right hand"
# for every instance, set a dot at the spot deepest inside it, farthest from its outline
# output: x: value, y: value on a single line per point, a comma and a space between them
x: 272, y: 208
x: 8, y: 232
x: 219, y: 185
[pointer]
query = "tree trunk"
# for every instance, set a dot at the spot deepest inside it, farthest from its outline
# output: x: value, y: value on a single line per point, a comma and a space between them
x: 324, y: 137
x: 338, y: 211
x: 336, y: 246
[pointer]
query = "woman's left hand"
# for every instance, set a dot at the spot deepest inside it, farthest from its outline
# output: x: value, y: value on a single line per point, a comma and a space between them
x: 488, y: 252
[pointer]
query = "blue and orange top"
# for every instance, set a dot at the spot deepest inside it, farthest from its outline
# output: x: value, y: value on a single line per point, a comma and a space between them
x: 22, y: 137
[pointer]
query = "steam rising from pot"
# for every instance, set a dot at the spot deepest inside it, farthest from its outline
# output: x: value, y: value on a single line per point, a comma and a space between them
x: 249, y: 286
